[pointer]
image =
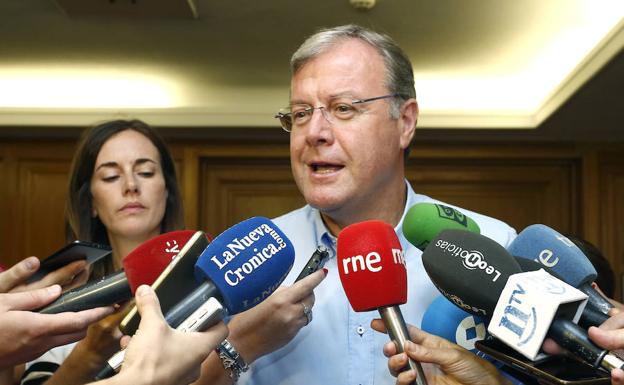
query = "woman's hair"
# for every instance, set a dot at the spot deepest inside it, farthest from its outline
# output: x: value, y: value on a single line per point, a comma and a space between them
x: 80, y: 224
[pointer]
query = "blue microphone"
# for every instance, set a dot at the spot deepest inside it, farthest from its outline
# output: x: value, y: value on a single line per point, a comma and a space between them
x: 246, y: 263
x: 444, y: 319
x: 557, y: 253
x: 240, y: 268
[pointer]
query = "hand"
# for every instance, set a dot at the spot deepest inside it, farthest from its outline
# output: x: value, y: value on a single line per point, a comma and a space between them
x: 27, y: 335
x: 610, y: 335
x: 158, y: 354
x: 458, y: 365
x: 14, y: 279
x: 617, y: 306
x: 102, y: 339
x: 274, y: 322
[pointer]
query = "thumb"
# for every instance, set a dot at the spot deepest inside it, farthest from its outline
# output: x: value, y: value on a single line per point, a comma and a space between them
x: 608, y: 339
x: 18, y: 273
x: 378, y: 325
x: 147, y: 304
x: 32, y: 299
x: 440, y: 356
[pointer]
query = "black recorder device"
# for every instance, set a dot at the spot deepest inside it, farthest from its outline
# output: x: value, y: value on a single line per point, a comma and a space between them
x: 74, y: 251
x: 316, y: 261
x: 555, y: 370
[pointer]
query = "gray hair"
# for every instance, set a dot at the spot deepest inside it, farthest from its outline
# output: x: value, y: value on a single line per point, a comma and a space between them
x: 399, y: 74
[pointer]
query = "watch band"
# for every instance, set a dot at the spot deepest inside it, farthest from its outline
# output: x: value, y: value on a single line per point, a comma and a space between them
x: 232, y: 360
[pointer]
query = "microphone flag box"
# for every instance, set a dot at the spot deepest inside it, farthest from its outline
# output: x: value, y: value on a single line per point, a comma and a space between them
x: 527, y: 306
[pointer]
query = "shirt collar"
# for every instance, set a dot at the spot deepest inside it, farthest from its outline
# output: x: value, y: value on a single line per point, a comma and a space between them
x: 327, y: 239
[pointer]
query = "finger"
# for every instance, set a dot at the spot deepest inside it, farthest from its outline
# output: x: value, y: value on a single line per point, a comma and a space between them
x: 124, y: 341
x: 302, y: 289
x: 439, y: 356
x: 378, y: 325
x: 551, y: 347
x: 63, y: 339
x: 397, y: 363
x: 18, y: 273
x: 63, y: 275
x: 406, y: 377
x: 608, y: 339
x: 390, y: 349
x: 147, y: 304
x: 70, y: 322
x: 425, y: 339
x: 32, y: 299
x: 617, y: 377
x: 612, y: 323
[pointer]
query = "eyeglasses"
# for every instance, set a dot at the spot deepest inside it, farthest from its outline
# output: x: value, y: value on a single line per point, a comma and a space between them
x: 339, y: 110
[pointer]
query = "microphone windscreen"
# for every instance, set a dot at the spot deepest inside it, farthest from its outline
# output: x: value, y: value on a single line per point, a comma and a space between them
x: 371, y: 265
x: 444, y: 319
x: 246, y: 262
x: 424, y: 221
x: 530, y: 265
x: 148, y: 260
x: 469, y: 269
x: 553, y: 250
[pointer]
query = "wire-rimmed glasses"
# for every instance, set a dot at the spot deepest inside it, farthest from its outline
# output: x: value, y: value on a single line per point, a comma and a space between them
x: 340, y: 109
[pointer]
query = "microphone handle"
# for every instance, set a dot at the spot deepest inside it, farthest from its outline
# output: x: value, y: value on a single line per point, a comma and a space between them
x: 109, y: 290
x: 200, y: 318
x: 395, y: 324
x: 592, y: 317
x: 596, y: 300
x: 573, y: 338
x: 191, y: 302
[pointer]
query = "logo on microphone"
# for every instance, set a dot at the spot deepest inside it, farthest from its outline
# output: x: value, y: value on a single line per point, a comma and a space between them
x: 471, y: 260
x: 518, y: 318
x: 264, y: 242
x: 450, y: 213
x: 468, y: 332
x: 547, y: 258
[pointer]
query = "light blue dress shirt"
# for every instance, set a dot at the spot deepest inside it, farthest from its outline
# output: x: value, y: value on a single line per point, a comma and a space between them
x: 338, y: 346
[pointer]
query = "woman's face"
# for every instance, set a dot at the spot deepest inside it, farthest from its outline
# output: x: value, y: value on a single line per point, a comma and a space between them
x: 128, y: 187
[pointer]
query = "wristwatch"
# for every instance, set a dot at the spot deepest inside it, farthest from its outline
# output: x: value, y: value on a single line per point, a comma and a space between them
x: 232, y: 360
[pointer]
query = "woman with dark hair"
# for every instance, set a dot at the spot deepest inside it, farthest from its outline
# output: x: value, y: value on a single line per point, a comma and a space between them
x: 122, y: 191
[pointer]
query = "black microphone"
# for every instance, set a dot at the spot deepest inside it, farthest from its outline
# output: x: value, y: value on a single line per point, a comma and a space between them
x: 472, y: 271
x: 142, y: 266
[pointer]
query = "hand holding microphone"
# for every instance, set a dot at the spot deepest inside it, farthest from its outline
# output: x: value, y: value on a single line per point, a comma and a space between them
x: 179, y: 355
x: 459, y: 366
x: 372, y: 270
x: 237, y: 270
x: 473, y: 272
x: 15, y: 279
x: 142, y: 266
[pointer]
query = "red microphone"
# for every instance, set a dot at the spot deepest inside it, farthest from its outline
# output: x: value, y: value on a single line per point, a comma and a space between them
x: 142, y: 266
x: 372, y: 270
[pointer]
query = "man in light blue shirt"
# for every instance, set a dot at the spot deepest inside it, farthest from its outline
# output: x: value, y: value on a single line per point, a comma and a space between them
x: 351, y: 118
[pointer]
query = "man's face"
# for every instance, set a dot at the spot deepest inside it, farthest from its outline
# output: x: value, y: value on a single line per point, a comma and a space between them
x: 346, y: 166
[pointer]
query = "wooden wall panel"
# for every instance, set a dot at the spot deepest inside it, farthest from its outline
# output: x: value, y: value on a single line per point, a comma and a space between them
x: 4, y: 213
x: 41, y: 206
x: 234, y: 190
x: 612, y: 214
x: 519, y: 193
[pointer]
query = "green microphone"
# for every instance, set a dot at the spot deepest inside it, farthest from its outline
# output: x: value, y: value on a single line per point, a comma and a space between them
x: 424, y: 221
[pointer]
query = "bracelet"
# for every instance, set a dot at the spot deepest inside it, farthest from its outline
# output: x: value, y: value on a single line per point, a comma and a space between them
x: 232, y: 360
